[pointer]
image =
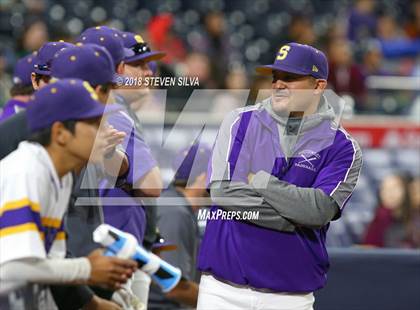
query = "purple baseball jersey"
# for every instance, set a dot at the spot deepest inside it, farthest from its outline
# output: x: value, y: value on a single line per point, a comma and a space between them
x: 128, y: 217
x: 246, y: 254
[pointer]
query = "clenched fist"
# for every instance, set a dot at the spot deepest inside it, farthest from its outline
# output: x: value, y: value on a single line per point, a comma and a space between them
x: 109, y: 272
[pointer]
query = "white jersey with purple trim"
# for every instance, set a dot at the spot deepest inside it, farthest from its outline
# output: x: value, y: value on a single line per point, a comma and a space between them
x: 33, y: 200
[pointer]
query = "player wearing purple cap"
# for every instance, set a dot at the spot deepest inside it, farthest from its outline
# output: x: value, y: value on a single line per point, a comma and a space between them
x: 177, y: 222
x: 14, y: 129
x: 143, y: 176
x: 137, y: 66
x: 36, y: 183
x: 31, y: 72
x: 285, y: 156
x: 108, y: 38
x: 140, y: 48
x: 91, y: 63
x: 22, y: 87
x: 145, y: 179
x: 41, y: 73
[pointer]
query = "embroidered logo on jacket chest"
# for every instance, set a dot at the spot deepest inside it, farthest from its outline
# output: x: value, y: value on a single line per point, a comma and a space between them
x: 307, y: 159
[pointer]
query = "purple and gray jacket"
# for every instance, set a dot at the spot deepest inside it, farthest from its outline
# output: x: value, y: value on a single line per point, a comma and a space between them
x: 303, y: 178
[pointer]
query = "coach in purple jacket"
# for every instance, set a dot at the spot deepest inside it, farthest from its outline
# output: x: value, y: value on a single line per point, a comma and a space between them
x: 287, y: 158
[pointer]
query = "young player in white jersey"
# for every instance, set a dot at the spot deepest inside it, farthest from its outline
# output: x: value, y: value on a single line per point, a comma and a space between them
x: 35, y: 186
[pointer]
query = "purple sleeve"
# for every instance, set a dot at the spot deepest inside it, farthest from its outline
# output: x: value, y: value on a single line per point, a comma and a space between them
x: 140, y: 158
x: 338, y: 178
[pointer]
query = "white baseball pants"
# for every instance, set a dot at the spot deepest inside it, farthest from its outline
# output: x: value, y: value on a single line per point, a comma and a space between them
x: 216, y: 295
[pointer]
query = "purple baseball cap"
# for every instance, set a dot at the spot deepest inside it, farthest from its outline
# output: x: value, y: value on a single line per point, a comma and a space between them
x: 108, y: 29
x: 88, y: 62
x: 108, y: 38
x: 140, y: 48
x: 23, y: 69
x: 299, y: 59
x: 191, y: 162
x: 45, y: 55
x: 63, y: 100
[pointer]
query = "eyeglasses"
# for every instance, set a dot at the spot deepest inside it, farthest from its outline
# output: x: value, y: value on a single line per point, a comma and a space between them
x: 140, y: 48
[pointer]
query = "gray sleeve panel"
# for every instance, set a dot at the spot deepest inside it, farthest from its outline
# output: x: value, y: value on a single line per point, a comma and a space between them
x: 176, y: 227
x: 303, y: 206
x: 345, y: 188
x: 219, y: 160
x: 238, y: 196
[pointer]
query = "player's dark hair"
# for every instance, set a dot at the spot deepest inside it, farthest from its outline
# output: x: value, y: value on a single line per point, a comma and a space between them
x: 43, y: 136
x: 21, y: 90
x: 104, y: 88
x: 39, y: 77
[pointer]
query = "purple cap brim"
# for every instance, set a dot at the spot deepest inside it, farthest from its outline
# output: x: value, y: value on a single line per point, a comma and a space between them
x: 150, y: 56
x: 42, y: 72
x: 268, y: 69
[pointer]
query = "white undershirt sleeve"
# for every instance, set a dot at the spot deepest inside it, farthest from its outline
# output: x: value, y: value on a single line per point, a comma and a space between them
x: 47, y: 271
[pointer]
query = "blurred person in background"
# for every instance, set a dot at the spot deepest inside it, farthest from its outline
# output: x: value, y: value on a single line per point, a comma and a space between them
x: 395, y: 43
x: 196, y: 65
x: 372, y: 65
x: 387, y: 28
x: 372, y: 59
x: 34, y: 36
x: 214, y: 41
x: 301, y: 30
x: 35, y: 7
x: 345, y: 77
x: 390, y: 226
x: 163, y: 38
x: 178, y: 224
x: 5, y: 79
x: 414, y: 225
x: 227, y: 100
x: 22, y: 89
x: 218, y: 45
x: 336, y: 30
x: 362, y: 20
x: 412, y: 26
